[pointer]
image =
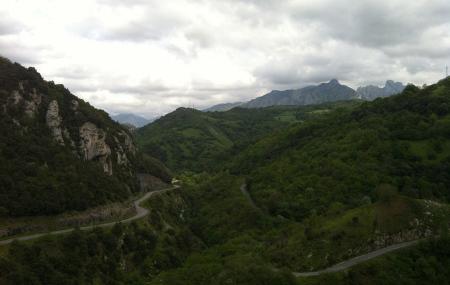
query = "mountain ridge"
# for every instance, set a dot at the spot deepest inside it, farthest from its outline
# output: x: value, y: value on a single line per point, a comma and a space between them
x: 315, y: 94
x: 131, y: 119
x: 60, y: 152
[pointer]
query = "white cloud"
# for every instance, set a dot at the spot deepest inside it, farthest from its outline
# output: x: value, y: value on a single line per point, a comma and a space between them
x: 152, y: 56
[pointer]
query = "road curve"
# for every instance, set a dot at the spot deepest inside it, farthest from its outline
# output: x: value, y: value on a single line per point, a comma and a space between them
x: 356, y: 260
x: 345, y: 264
x: 140, y: 212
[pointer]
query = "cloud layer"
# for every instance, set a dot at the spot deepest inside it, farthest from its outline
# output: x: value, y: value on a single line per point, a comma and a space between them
x: 149, y: 57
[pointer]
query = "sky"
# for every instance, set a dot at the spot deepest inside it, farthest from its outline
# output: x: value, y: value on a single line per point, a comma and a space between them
x: 149, y: 57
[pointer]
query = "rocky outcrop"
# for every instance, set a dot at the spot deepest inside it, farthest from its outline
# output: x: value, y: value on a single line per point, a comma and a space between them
x: 31, y: 101
x: 54, y: 122
x: 74, y: 105
x: 311, y: 95
x: 94, y: 146
x: 372, y: 92
x: 31, y: 106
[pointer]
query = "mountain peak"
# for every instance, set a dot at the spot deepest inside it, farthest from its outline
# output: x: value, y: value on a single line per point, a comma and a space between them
x: 334, y: 82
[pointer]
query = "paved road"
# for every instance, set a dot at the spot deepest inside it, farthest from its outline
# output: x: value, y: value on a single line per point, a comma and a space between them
x: 345, y: 264
x: 356, y: 260
x: 140, y: 212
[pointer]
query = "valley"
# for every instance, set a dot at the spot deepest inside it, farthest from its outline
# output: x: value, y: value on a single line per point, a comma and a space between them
x: 275, y: 195
x: 188, y: 142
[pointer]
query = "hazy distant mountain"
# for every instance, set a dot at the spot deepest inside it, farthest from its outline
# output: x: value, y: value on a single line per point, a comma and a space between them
x: 310, y: 95
x: 372, y: 92
x: 131, y: 119
x: 223, y: 107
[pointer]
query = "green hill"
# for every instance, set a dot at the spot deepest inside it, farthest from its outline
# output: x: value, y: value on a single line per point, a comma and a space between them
x: 343, y: 156
x: 188, y: 139
x: 57, y: 152
x: 333, y: 187
x: 324, y: 184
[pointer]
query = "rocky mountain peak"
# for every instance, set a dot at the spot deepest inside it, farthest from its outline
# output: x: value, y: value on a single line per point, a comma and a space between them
x: 334, y: 82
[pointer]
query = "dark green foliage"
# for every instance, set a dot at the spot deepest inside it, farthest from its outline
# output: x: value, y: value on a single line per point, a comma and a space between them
x: 427, y: 263
x: 191, y: 140
x: 128, y: 254
x: 39, y: 176
x: 216, y: 269
x: 148, y: 164
x: 345, y: 155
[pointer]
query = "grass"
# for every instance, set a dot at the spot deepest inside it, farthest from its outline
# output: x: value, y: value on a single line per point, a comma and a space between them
x: 288, y: 117
x: 322, y: 241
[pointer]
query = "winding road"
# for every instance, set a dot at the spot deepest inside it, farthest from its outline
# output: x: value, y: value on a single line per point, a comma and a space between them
x: 140, y: 213
x: 356, y: 260
x: 345, y: 264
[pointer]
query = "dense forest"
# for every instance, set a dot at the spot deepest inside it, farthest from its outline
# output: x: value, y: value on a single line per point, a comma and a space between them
x: 344, y: 155
x: 268, y: 192
x: 191, y: 140
x: 426, y: 263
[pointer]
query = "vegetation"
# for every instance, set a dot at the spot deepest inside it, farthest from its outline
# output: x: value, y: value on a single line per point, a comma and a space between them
x: 345, y: 155
x: 427, y: 263
x: 339, y: 185
x: 126, y: 254
x: 327, y: 183
x: 191, y: 140
x: 41, y: 177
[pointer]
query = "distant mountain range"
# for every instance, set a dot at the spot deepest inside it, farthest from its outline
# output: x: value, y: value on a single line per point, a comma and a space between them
x: 372, y: 92
x: 131, y: 119
x: 316, y: 94
x: 223, y: 107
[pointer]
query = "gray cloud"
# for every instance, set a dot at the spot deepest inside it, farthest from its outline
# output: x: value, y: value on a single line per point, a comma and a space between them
x: 8, y: 25
x: 149, y: 56
x: 373, y: 23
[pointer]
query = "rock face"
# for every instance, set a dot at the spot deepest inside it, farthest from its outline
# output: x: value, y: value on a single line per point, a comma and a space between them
x: 94, y: 147
x: 31, y: 106
x: 326, y: 92
x: 311, y: 95
x: 372, y: 92
x: 89, y: 143
x: 91, y: 159
x: 54, y: 122
x: 31, y: 100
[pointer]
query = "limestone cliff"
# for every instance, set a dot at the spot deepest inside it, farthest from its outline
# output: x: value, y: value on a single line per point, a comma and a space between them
x: 89, y: 133
x: 60, y: 152
x: 54, y: 122
x: 94, y: 147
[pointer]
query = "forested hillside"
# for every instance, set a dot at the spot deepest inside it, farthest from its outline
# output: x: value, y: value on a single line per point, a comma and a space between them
x: 343, y: 156
x: 191, y: 140
x: 278, y: 190
x: 57, y: 152
x: 341, y: 185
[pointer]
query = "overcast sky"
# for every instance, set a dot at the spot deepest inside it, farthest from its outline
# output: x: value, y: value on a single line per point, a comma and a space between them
x: 149, y: 57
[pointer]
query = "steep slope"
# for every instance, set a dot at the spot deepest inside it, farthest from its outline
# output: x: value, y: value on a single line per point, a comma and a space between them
x: 401, y: 140
x: 57, y: 152
x: 131, y: 119
x: 334, y: 187
x: 372, y: 92
x: 187, y: 139
x: 326, y: 92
